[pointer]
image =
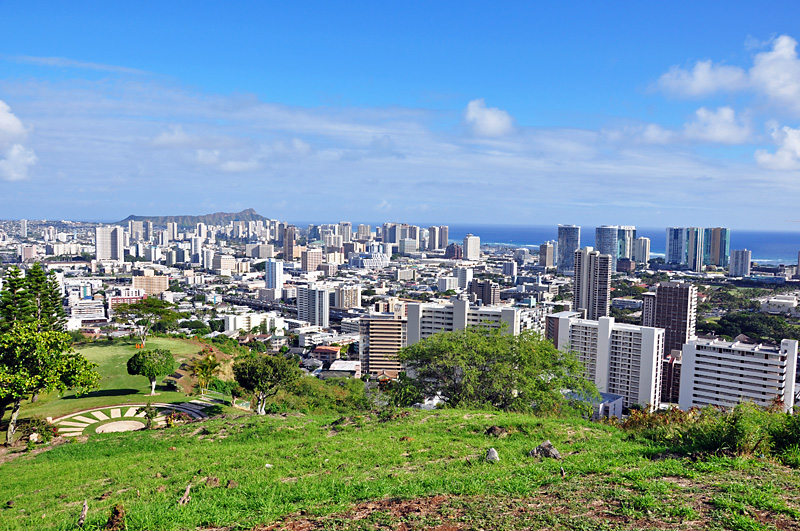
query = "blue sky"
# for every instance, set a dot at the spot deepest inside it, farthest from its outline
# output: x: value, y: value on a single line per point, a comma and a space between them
x: 588, y: 113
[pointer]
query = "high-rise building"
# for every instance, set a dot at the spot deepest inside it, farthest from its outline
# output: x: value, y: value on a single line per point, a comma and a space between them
x: 108, y: 244
x: 23, y: 228
x: 311, y: 259
x: 592, y: 289
x: 426, y: 319
x: 463, y: 276
x: 622, y: 359
x: 346, y: 231
x: 148, y: 230
x: 740, y: 263
x: 486, y: 291
x: 695, y: 248
x: 724, y: 373
x: 313, y: 304
x: 273, y: 274
x: 720, y: 246
x: 606, y: 241
x: 676, y: 245
x: 289, y: 236
x: 546, y: 256
x: 433, y: 238
x: 347, y: 296
x: 444, y: 236
x: 472, y: 247
x: 569, y: 241
x: 407, y: 246
x: 382, y: 336
x: 641, y: 250
x: 673, y: 307
x: 626, y: 238
x: 364, y: 232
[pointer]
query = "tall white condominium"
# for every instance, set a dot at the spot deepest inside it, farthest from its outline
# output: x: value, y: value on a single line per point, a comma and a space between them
x: 346, y: 231
x: 433, y: 238
x: 463, y: 276
x: 108, y: 244
x: 694, y: 248
x: 569, y: 241
x: 23, y: 228
x: 472, y: 247
x: 740, y: 263
x: 626, y: 238
x: 676, y: 245
x: 313, y: 304
x: 622, y: 359
x: 592, y: 290
x: 273, y: 274
x: 724, y: 373
x: 606, y: 241
x: 172, y: 231
x: 641, y: 250
x: 364, y: 232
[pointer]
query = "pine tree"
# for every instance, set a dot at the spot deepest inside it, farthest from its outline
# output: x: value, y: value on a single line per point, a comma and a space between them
x: 46, y: 299
x: 16, y: 302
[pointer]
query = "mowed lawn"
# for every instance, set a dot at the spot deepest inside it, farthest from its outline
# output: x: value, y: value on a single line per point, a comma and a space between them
x: 116, y: 385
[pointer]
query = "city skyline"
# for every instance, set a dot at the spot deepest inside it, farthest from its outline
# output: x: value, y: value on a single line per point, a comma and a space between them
x: 633, y: 112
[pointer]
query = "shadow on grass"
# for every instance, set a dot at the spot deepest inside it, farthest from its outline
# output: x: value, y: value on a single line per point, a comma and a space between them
x: 103, y: 392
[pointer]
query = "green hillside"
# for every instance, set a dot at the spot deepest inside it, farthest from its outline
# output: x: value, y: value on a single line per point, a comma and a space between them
x: 397, y: 469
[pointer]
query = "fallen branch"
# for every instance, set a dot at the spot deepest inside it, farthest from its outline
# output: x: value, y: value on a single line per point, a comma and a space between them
x: 185, y: 498
x: 84, y: 512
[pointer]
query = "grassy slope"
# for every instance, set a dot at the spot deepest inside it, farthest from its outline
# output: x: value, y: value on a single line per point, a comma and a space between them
x: 116, y: 386
x: 323, y: 467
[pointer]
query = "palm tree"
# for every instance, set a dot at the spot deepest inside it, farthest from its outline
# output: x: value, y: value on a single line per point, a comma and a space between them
x: 205, y: 369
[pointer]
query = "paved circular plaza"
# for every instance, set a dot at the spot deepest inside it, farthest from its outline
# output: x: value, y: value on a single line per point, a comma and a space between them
x: 124, y: 417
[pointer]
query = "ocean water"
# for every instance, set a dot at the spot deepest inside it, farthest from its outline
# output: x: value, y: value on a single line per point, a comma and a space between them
x: 766, y: 247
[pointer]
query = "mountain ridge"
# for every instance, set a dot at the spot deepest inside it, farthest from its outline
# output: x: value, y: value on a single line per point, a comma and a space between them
x: 217, y: 218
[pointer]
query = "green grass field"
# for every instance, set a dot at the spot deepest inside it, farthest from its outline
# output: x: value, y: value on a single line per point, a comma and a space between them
x: 116, y: 385
x: 415, y: 470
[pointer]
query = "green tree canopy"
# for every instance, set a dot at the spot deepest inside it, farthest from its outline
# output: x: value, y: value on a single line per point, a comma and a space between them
x: 16, y: 301
x: 264, y: 376
x: 144, y: 314
x: 33, y: 361
x: 46, y: 299
x: 482, y: 367
x: 151, y: 364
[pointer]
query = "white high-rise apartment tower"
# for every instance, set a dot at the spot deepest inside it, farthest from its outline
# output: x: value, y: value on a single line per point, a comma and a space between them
x: 592, y: 289
x: 273, y: 274
x: 569, y: 241
x: 108, y: 244
x: 740, y: 263
x: 472, y: 247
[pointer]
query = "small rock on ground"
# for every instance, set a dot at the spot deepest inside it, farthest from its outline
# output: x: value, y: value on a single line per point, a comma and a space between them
x: 497, y: 431
x: 546, y: 449
x: 492, y: 455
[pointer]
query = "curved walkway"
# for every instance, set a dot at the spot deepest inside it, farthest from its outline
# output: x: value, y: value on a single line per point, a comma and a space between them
x: 122, y: 418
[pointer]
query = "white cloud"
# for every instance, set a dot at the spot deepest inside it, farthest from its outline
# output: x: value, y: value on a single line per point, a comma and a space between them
x: 15, y: 162
x: 720, y: 126
x: 174, y: 137
x: 487, y: 121
x: 776, y: 73
x: 787, y: 156
x: 705, y: 78
x: 655, y: 134
x: 63, y: 62
x: 15, y: 158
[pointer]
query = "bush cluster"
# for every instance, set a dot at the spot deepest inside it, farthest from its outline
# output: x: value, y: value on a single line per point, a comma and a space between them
x: 743, y: 430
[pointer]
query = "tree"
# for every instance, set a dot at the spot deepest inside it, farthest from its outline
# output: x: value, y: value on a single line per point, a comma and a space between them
x: 46, y: 300
x: 480, y: 367
x: 151, y: 364
x: 33, y: 361
x: 264, y: 376
x: 144, y: 314
x: 206, y: 368
x: 16, y: 302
